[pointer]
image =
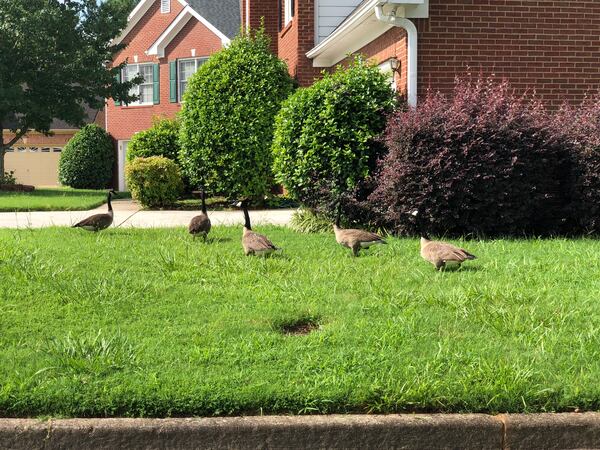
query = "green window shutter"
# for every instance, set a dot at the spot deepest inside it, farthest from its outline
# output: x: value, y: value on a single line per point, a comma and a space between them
x: 173, y: 81
x: 156, y: 78
x: 118, y: 78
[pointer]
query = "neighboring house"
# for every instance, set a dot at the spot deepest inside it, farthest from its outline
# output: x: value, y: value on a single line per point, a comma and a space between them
x: 167, y: 40
x: 552, y: 47
x: 34, y: 158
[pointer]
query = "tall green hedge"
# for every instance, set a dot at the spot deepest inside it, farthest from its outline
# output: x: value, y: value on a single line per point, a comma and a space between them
x: 86, y: 162
x: 325, y: 135
x: 228, y: 114
x: 162, y: 139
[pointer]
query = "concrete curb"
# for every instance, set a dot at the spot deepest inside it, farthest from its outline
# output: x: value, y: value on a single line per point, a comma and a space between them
x: 409, y: 431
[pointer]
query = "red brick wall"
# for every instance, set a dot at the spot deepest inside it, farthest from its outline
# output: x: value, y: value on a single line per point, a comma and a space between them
x: 262, y: 10
x: 550, y: 46
x: 124, y: 121
x: 391, y: 45
x: 291, y: 42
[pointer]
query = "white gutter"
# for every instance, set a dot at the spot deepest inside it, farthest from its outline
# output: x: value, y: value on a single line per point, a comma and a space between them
x: 411, y: 32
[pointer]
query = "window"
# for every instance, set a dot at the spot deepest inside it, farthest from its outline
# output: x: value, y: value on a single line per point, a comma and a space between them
x: 144, y: 91
x: 187, y: 67
x: 165, y: 6
x: 288, y: 11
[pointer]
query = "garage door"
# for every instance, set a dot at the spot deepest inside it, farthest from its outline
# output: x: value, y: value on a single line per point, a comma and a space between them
x: 37, y: 166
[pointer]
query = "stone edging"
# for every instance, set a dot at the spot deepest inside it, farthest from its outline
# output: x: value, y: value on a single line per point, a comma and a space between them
x: 404, y: 431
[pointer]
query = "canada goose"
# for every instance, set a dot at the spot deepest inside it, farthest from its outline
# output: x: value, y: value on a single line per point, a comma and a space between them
x: 254, y: 243
x: 442, y: 254
x: 98, y: 222
x: 353, y: 238
x: 200, y: 224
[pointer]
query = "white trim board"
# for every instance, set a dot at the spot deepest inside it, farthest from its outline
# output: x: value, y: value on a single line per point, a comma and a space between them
x: 158, y: 47
x: 360, y: 28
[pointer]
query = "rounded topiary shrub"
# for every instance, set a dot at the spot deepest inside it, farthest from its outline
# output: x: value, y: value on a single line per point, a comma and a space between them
x: 326, y: 135
x: 86, y: 162
x: 162, y: 139
x: 483, y: 162
x: 227, y: 118
x: 154, y: 181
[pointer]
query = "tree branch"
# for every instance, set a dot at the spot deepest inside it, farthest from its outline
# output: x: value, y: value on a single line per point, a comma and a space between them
x: 18, y: 135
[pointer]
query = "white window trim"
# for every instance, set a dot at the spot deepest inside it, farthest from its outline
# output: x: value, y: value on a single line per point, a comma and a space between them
x: 288, y: 13
x: 165, y: 6
x: 179, y: 80
x: 136, y: 89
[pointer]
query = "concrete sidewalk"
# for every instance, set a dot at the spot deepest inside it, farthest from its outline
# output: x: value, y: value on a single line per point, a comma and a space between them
x: 128, y: 215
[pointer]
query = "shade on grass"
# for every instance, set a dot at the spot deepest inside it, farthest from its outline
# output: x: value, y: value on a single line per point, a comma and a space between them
x: 150, y: 323
x: 52, y: 199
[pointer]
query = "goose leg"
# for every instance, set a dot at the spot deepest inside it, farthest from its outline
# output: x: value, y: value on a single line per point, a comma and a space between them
x: 355, y: 249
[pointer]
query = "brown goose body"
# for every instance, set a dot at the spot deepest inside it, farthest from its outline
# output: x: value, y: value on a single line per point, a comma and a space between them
x: 200, y: 224
x: 98, y: 222
x: 442, y: 254
x: 254, y: 243
x: 356, y: 239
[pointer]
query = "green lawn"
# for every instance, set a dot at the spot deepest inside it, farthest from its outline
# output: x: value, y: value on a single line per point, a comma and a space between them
x: 58, y: 199
x: 150, y: 323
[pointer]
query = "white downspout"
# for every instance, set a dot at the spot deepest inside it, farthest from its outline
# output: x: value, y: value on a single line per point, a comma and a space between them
x: 411, y: 32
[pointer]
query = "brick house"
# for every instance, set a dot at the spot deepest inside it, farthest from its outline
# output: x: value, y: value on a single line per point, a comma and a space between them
x: 550, y: 46
x: 167, y: 40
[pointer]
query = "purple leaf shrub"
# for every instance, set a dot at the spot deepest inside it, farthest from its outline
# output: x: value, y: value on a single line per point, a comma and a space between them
x: 581, y: 127
x: 484, y: 162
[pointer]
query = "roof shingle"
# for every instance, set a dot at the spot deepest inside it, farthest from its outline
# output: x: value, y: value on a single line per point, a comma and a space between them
x: 223, y: 14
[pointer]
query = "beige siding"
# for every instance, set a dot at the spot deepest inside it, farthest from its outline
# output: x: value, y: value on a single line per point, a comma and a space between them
x: 34, y: 168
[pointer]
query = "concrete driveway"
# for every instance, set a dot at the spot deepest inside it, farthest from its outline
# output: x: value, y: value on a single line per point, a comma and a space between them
x: 128, y: 214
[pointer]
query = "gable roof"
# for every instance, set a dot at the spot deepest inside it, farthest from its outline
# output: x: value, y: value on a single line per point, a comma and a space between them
x: 223, y: 14
x: 90, y: 115
x: 223, y: 17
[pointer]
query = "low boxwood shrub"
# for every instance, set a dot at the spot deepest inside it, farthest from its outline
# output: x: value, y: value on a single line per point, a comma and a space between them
x: 154, y: 181
x: 86, y: 162
x: 162, y: 139
x: 581, y: 127
x: 8, y: 178
x: 483, y: 162
x: 227, y: 118
x: 326, y: 135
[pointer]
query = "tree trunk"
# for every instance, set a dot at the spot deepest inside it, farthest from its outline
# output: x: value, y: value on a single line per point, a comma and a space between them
x: 6, y: 145
x: 2, y: 151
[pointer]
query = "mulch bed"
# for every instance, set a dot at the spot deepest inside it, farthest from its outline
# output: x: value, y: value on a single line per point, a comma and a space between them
x: 16, y: 188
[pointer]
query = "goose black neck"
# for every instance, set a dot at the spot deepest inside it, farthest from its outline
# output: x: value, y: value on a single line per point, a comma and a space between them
x: 246, y: 215
x: 109, y: 204
x: 421, y: 229
x: 203, y: 197
x: 338, y: 214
